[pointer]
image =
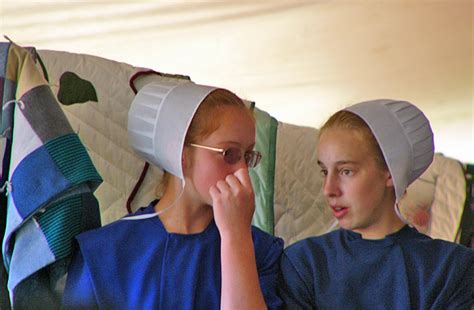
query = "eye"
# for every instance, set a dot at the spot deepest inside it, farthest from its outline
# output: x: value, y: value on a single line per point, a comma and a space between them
x: 346, y: 172
x: 232, y: 155
x: 324, y: 172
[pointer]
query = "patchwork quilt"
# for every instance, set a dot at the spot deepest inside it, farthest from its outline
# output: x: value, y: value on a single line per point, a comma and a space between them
x: 47, y: 176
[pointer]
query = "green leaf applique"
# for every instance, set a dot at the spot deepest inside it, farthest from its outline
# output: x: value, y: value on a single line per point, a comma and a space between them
x: 73, y: 89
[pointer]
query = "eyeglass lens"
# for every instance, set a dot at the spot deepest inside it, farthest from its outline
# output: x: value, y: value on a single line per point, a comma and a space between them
x: 232, y: 155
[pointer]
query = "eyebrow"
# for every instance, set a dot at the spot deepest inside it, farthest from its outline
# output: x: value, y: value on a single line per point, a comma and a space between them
x: 341, y: 162
x: 236, y: 143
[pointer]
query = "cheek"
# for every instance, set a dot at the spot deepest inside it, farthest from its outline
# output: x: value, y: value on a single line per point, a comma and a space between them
x: 361, y: 193
x: 368, y: 196
x: 206, y: 175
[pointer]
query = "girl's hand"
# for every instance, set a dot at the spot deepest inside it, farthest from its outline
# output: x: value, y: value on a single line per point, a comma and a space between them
x: 233, y: 202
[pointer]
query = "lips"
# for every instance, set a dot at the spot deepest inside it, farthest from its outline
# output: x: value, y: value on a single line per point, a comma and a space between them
x: 339, y: 212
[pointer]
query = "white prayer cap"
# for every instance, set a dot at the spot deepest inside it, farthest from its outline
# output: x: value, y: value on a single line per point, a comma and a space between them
x: 404, y: 135
x: 159, y: 118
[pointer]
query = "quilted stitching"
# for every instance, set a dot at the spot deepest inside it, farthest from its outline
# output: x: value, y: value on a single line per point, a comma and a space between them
x: 300, y: 207
x: 102, y: 128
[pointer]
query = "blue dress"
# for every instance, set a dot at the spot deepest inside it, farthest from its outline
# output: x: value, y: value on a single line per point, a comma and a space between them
x: 405, y: 270
x: 137, y: 264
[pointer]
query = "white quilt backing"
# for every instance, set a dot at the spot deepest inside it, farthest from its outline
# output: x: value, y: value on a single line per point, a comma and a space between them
x: 300, y: 209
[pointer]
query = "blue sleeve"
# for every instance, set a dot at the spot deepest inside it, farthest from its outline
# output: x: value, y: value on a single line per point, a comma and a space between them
x: 268, y: 274
x: 293, y: 289
x: 463, y: 293
x: 79, y: 292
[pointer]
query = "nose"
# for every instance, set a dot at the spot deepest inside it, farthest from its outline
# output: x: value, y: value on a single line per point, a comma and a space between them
x: 240, y: 164
x: 331, y: 186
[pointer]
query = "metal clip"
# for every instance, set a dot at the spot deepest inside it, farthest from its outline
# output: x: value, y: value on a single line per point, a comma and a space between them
x: 6, y: 188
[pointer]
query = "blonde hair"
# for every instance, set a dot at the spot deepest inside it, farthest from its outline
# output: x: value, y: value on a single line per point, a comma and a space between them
x: 348, y: 120
x: 207, y: 119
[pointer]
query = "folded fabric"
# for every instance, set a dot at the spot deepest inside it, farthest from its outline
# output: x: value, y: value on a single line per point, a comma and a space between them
x: 263, y: 176
x: 48, y: 176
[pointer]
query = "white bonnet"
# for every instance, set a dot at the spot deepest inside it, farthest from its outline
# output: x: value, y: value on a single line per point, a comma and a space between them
x: 159, y: 118
x: 404, y: 135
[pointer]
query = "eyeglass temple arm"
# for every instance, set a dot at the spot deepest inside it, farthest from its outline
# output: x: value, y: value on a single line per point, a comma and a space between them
x: 206, y: 147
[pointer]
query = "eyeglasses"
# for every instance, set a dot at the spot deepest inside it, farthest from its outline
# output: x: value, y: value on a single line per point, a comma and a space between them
x: 232, y: 155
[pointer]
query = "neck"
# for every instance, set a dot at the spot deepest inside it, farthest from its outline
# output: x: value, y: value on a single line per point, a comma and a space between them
x: 387, y: 221
x: 185, y: 216
x: 382, y: 228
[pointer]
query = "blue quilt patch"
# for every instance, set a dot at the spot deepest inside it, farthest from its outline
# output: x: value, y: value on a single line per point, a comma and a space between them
x: 36, y: 181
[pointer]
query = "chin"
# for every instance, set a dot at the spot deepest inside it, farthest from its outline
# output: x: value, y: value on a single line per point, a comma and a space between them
x: 345, y: 225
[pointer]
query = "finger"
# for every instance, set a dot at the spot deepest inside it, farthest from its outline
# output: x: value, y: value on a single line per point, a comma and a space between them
x: 243, y: 175
x: 223, y: 187
x: 234, y: 183
x: 214, y: 192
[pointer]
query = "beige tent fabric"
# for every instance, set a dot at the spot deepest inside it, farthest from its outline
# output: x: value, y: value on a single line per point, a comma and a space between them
x: 300, y: 60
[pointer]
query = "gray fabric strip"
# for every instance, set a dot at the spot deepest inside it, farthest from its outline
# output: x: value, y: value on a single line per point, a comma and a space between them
x: 44, y: 113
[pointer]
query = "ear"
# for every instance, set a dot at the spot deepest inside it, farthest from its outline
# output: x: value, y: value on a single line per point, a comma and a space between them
x: 185, y: 160
x: 389, y: 180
